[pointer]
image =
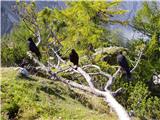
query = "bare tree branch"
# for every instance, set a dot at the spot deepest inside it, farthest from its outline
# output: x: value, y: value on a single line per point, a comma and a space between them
x: 139, y: 58
x: 59, y: 58
x: 111, y: 80
x: 86, y: 76
x: 38, y: 36
x: 108, y: 76
x: 122, y: 114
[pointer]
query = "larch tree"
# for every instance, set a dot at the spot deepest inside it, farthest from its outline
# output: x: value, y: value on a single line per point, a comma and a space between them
x: 86, y: 22
x: 79, y: 24
x: 147, y: 19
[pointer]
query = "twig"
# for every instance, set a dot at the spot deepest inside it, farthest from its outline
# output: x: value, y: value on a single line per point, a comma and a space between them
x: 139, y: 58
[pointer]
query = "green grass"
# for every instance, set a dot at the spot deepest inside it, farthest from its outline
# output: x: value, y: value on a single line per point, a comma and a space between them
x: 43, y: 99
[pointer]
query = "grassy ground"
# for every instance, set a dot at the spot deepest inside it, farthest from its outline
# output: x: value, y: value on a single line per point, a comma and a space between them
x: 42, y: 99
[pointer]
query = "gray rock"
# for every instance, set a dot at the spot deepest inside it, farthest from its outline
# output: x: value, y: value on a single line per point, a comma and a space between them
x: 23, y: 72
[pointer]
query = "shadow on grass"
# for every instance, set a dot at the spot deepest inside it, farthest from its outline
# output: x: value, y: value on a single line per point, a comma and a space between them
x: 81, y: 98
x: 26, y: 78
x: 51, y: 91
x: 13, y: 111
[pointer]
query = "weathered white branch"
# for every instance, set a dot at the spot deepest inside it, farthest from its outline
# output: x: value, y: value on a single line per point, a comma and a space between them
x: 100, y: 71
x: 117, y: 91
x: 139, y: 58
x: 111, y: 79
x: 122, y: 114
x: 58, y: 57
x: 86, y: 76
x: 38, y: 36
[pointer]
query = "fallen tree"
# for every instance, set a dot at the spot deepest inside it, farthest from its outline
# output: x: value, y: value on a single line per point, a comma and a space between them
x: 107, y: 94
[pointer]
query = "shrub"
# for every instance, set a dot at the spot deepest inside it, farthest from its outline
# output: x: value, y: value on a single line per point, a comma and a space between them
x: 14, y: 46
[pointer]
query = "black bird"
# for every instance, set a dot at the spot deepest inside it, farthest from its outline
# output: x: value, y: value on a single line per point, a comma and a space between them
x: 73, y: 57
x: 122, y: 61
x: 34, y: 48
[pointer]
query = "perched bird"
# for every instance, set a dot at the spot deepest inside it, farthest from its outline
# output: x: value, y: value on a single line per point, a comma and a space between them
x: 73, y: 57
x: 122, y: 61
x: 34, y: 48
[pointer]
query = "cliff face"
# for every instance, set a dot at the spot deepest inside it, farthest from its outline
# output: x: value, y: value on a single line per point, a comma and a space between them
x: 10, y: 17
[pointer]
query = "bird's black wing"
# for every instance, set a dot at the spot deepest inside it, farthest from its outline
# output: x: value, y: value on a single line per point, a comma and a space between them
x: 38, y: 53
x: 71, y: 58
x: 125, y: 63
x: 122, y: 61
x: 74, y: 58
x: 34, y: 49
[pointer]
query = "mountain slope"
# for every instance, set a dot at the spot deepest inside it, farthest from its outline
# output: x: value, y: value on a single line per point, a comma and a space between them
x: 39, y: 98
x: 10, y: 16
